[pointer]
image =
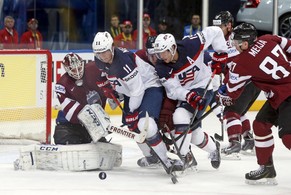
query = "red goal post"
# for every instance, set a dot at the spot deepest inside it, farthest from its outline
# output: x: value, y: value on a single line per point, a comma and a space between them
x: 25, y: 95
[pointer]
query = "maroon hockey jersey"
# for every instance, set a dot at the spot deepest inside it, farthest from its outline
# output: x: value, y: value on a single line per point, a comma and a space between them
x: 266, y: 64
x: 73, y: 97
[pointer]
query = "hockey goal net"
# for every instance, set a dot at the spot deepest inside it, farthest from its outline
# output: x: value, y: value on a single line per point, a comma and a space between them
x: 25, y: 96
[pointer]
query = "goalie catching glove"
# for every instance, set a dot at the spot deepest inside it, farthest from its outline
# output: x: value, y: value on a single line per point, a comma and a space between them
x: 195, y: 100
x: 223, y: 97
x: 218, y: 62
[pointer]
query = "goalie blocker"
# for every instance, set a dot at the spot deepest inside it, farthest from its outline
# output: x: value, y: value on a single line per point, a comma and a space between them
x: 79, y: 157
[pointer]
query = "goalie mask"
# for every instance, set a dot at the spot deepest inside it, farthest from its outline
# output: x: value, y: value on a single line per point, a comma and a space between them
x: 102, y: 43
x: 163, y: 43
x: 74, y: 66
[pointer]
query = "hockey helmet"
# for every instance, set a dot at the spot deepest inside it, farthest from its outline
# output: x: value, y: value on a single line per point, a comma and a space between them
x: 150, y: 44
x: 102, y: 42
x: 224, y: 17
x: 245, y: 32
x: 74, y: 65
x: 165, y: 42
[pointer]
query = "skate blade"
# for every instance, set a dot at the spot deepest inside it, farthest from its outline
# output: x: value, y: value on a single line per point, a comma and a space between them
x: 152, y: 166
x: 187, y: 171
x: 233, y: 156
x: 263, y: 181
x: 248, y: 152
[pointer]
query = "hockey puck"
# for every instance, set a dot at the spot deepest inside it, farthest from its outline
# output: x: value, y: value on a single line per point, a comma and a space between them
x: 102, y: 175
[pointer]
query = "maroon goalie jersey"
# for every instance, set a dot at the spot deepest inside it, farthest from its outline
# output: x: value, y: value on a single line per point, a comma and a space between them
x: 266, y: 64
x: 73, y: 97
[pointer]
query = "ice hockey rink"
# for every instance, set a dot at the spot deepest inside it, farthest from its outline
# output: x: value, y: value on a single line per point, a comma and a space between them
x: 131, y: 179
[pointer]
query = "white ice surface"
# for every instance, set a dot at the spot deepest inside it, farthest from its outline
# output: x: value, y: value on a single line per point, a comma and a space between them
x: 129, y: 179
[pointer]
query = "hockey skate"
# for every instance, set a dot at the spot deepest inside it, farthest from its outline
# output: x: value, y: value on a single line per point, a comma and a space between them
x: 248, y: 145
x: 189, y: 164
x: 149, y: 162
x: 174, y: 166
x: 215, y: 156
x: 232, y: 151
x: 265, y: 175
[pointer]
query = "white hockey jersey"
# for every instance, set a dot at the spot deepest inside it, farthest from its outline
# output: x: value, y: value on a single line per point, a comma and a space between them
x: 129, y: 75
x: 190, y: 71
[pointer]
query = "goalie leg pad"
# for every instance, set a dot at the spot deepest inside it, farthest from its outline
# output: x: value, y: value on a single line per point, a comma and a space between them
x: 96, y: 121
x: 81, y: 157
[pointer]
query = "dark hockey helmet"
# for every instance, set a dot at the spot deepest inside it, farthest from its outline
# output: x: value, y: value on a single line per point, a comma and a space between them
x: 224, y: 17
x: 150, y: 44
x: 245, y: 32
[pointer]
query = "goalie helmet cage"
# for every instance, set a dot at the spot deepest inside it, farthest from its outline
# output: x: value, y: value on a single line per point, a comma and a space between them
x: 26, y: 95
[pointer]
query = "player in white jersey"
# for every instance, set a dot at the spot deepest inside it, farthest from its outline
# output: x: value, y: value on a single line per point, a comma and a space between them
x: 237, y: 123
x: 185, y: 76
x: 128, y: 74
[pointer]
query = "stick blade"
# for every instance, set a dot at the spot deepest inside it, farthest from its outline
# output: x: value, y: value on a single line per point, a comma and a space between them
x: 218, y: 137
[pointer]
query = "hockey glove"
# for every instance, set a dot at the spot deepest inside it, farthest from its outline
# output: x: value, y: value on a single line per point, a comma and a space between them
x: 107, y: 89
x: 131, y: 120
x: 223, y: 97
x: 218, y: 62
x: 195, y: 100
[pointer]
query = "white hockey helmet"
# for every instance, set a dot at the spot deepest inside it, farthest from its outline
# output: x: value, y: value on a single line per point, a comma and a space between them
x: 165, y: 42
x: 74, y: 65
x: 102, y: 42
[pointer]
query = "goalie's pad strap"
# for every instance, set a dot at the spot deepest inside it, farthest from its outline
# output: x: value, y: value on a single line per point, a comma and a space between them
x: 96, y: 121
x: 80, y: 157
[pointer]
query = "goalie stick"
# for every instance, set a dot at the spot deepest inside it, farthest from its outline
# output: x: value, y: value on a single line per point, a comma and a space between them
x: 196, y: 109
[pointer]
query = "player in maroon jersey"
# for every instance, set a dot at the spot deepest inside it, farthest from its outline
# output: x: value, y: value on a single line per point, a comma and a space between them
x: 237, y: 123
x: 75, y: 89
x: 264, y: 61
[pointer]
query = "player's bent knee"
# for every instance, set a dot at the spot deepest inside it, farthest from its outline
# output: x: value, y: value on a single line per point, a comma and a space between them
x: 152, y: 126
x: 262, y: 128
x: 179, y: 116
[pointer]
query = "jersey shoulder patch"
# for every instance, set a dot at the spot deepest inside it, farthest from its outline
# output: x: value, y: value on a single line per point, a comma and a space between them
x: 60, y: 89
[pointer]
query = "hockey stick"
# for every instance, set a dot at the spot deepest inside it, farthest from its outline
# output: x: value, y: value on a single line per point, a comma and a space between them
x: 138, y: 137
x: 196, y: 122
x: 117, y: 102
x: 217, y: 136
x: 168, y: 170
x: 196, y: 109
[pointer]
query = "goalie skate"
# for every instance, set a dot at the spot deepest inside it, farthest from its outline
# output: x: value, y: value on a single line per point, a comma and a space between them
x: 265, y: 175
